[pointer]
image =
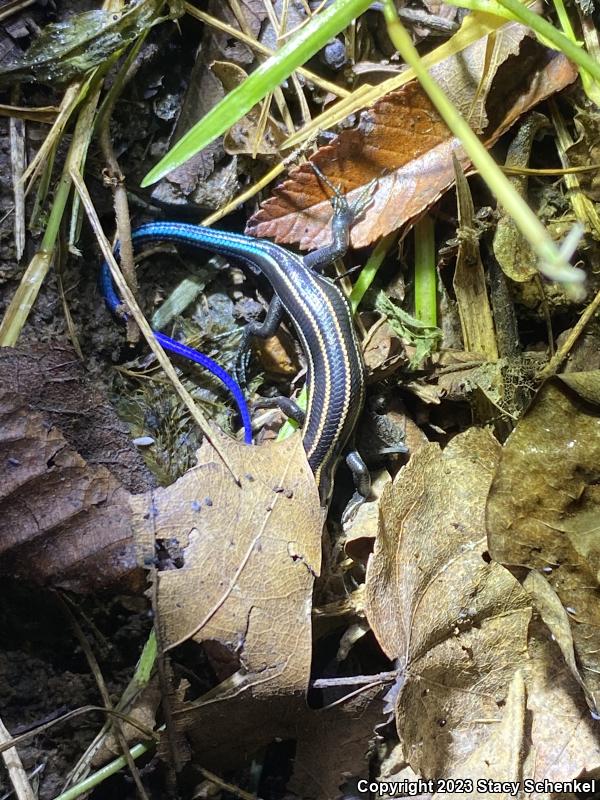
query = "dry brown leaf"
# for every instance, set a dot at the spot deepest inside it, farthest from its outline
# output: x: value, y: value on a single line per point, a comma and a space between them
x: 467, y: 78
x: 543, y: 506
x: 546, y: 732
x: 62, y: 521
x: 250, y: 556
x: 456, y: 624
x: 330, y: 743
x: 499, y: 757
x: 403, y: 144
x: 333, y: 745
x: 563, y: 739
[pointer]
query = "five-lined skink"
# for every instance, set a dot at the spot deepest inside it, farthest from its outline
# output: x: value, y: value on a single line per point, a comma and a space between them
x: 322, y: 318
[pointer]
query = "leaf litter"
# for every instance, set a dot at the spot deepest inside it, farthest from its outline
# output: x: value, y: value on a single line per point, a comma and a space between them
x: 473, y: 570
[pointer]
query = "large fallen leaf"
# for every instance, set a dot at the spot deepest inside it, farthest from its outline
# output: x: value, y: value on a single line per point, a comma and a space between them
x: 455, y: 623
x: 62, y: 521
x: 249, y: 555
x: 403, y: 144
x: 543, y: 510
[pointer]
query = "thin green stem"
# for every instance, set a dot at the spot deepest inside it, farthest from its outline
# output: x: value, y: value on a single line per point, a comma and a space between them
x: 105, y: 772
x: 425, y: 272
x: 370, y: 269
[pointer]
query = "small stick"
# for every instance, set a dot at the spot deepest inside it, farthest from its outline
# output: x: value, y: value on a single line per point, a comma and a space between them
x: 15, y: 769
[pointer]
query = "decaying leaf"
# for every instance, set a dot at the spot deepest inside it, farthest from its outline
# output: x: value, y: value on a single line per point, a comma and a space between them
x: 469, y: 77
x: 68, y: 49
x: 455, y: 623
x: 333, y: 746
x: 513, y: 252
x: 62, y: 521
x: 402, y: 143
x: 330, y: 744
x: 249, y: 555
x: 543, y: 507
x: 546, y: 732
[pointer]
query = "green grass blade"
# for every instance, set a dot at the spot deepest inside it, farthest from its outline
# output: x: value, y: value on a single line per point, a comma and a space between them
x: 425, y: 272
x: 268, y: 76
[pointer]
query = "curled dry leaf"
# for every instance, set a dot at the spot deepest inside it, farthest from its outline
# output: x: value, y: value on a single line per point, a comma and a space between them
x: 473, y: 303
x: 551, y: 610
x: 543, y: 506
x: 249, y: 557
x: 62, y: 521
x: 403, y: 144
x: 456, y: 624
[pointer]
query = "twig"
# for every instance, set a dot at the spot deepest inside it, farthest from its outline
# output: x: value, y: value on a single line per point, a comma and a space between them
x: 14, y: 765
x: 354, y: 680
